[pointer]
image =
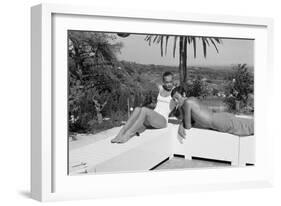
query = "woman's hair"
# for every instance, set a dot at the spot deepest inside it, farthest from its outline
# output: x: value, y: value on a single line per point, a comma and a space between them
x: 178, y: 89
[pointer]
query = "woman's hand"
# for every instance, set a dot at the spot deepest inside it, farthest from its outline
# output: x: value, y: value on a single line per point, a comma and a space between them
x: 181, y: 131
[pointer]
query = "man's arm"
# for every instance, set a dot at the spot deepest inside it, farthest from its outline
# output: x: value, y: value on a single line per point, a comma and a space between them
x: 181, y: 131
x: 186, y: 115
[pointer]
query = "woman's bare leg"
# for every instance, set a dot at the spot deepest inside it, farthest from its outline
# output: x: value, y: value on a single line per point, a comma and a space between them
x: 146, y: 116
x: 132, y: 118
x: 129, y: 122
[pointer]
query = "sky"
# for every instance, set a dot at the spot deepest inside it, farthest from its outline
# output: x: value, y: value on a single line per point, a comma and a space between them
x: 231, y: 52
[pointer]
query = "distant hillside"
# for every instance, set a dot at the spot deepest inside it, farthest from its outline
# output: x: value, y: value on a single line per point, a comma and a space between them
x: 153, y: 73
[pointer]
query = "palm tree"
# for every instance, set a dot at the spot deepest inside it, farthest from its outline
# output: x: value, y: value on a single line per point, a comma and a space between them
x: 183, y: 42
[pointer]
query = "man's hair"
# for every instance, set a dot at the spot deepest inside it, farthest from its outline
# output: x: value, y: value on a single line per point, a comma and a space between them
x: 167, y: 74
x: 178, y: 89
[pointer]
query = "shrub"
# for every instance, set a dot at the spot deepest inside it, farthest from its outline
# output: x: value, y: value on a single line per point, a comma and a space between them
x: 230, y: 101
x: 197, y: 88
x: 117, y: 117
x: 239, y: 89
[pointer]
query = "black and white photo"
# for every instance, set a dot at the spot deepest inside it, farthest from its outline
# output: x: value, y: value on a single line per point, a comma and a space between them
x: 141, y: 102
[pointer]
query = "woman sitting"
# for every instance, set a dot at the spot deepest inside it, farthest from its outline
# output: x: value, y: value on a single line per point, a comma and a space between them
x: 195, y: 114
x: 149, y: 116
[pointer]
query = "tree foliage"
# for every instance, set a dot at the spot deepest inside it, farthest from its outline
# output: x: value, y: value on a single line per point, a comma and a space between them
x: 99, y: 85
x: 197, y: 88
x: 240, y: 89
x: 91, y: 56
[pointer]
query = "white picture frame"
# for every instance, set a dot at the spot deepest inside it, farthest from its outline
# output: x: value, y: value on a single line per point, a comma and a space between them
x: 48, y: 178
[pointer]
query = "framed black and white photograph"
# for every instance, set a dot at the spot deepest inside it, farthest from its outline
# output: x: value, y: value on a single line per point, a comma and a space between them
x: 137, y: 102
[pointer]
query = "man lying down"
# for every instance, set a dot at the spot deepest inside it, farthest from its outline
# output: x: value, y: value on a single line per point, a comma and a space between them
x: 195, y: 114
x: 192, y: 113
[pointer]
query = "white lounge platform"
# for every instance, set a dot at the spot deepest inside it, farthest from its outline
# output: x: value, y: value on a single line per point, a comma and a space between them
x: 139, y: 153
x: 213, y: 145
x: 152, y: 147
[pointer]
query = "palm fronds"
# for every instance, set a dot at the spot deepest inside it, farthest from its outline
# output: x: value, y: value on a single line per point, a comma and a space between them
x: 191, y: 40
